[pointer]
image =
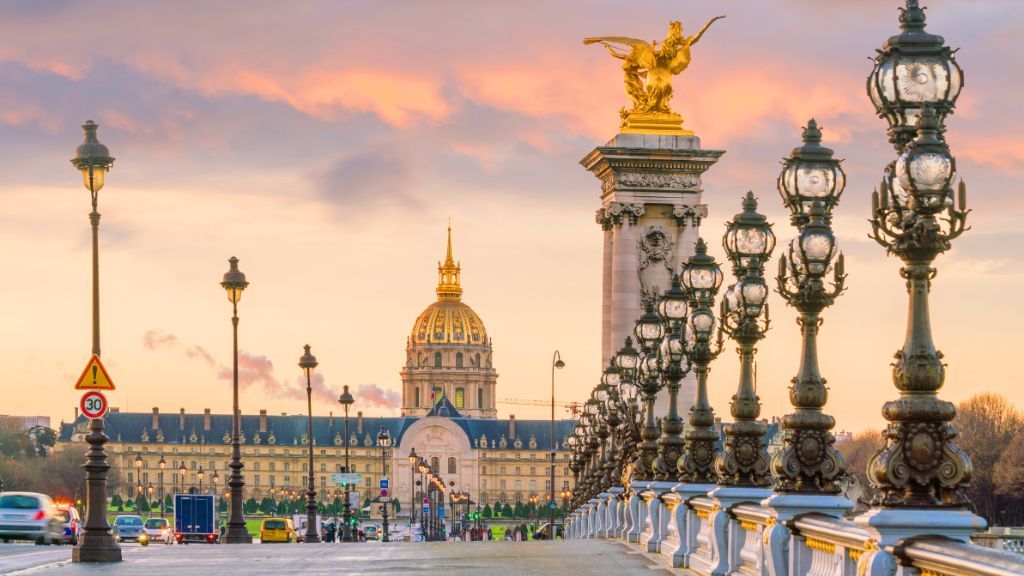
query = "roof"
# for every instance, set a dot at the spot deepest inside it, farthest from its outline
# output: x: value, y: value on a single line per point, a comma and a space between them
x: 327, y: 431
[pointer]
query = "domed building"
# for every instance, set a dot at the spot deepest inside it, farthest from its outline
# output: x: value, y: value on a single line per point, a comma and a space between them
x: 449, y: 353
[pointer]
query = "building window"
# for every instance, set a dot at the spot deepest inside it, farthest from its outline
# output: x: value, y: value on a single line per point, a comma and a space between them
x: 502, y: 470
x: 437, y: 394
x: 287, y: 466
x: 417, y: 392
x: 547, y: 486
x: 437, y: 359
x: 271, y: 480
x: 565, y: 484
x: 533, y: 470
x: 565, y: 471
x: 256, y: 466
x: 501, y: 484
x: 257, y: 476
x: 519, y: 471
x: 323, y: 467
x: 435, y: 464
x: 460, y: 397
x: 452, y: 469
x: 533, y: 486
x: 479, y: 397
x: 271, y: 466
x: 483, y: 470
x: 458, y: 359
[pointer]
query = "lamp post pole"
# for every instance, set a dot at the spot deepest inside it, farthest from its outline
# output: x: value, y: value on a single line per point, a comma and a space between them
x: 234, y: 283
x: 412, y: 487
x: 308, y: 362
x: 556, y: 363
x: 346, y: 400
x: 93, y: 160
x: 163, y: 498
x: 384, y: 439
x: 138, y: 483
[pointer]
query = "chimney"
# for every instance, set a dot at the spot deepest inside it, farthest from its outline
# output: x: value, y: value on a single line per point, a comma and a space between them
x: 156, y: 419
x: 76, y: 412
x: 181, y: 420
x: 359, y: 421
x: 511, y: 426
x: 206, y: 419
x: 263, y: 421
x: 330, y: 419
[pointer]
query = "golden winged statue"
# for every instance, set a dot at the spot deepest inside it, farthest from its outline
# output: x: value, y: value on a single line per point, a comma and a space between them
x: 648, y: 68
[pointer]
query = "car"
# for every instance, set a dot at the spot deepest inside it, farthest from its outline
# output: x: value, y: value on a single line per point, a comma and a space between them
x: 542, y: 532
x: 371, y: 533
x: 277, y: 530
x: 72, y: 523
x: 158, y: 530
x: 30, y: 516
x: 129, y: 527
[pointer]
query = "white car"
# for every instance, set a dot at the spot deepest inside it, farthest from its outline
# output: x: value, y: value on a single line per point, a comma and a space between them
x: 30, y: 516
x: 158, y: 530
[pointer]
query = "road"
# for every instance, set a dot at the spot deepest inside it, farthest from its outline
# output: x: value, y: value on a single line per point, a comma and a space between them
x: 580, y: 558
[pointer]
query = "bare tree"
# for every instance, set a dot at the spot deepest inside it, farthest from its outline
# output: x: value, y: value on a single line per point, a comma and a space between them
x: 985, y: 424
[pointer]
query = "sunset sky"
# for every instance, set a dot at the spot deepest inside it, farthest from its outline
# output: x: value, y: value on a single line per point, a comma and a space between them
x: 326, y: 144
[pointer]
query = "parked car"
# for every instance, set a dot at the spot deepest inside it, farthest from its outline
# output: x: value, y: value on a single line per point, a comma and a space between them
x: 159, y: 530
x: 277, y: 530
x: 128, y: 527
x: 30, y: 516
x: 371, y: 532
x: 72, y: 523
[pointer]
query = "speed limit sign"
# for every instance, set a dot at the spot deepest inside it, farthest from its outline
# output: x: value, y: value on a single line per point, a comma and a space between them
x: 94, y: 404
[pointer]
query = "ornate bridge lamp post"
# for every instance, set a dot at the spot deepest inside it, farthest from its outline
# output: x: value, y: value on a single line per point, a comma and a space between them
x: 649, y: 331
x: 626, y: 361
x: 672, y: 310
x: 748, y: 242
x: 809, y: 472
x: 701, y: 278
x: 919, y: 473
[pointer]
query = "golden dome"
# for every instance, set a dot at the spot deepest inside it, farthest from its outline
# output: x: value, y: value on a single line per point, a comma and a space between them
x: 449, y: 321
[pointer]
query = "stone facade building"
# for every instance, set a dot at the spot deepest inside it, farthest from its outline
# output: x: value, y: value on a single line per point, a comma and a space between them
x: 448, y: 416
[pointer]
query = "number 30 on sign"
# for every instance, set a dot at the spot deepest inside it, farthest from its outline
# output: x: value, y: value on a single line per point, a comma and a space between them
x: 94, y: 404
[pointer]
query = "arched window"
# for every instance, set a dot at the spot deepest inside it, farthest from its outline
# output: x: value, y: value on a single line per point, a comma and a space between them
x: 479, y: 397
x: 451, y: 465
x: 477, y: 359
x: 417, y: 397
x: 458, y: 359
x: 435, y: 465
x: 460, y: 397
x: 437, y: 359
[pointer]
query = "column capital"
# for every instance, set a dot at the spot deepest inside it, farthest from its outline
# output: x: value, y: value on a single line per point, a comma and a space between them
x: 689, y: 214
x: 615, y: 213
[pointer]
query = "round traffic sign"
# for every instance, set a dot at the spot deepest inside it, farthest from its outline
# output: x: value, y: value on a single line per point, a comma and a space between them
x: 93, y: 404
x: 383, y: 492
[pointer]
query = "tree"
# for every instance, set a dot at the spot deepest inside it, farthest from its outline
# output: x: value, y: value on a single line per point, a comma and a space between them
x: 486, y: 512
x: 116, y: 501
x: 250, y: 506
x: 506, y: 511
x: 858, y: 452
x: 397, y: 505
x: 985, y: 425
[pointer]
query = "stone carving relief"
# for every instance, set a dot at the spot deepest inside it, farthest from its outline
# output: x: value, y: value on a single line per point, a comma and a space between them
x: 144, y: 437
x: 256, y: 438
x: 656, y: 258
x: 616, y: 213
x: 533, y: 442
x: 657, y: 180
x: 159, y: 435
x: 689, y: 215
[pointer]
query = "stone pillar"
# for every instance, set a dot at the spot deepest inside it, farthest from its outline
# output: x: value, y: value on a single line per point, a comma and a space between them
x: 650, y: 212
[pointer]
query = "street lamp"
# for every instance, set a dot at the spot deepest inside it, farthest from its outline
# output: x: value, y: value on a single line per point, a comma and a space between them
x: 138, y: 481
x: 181, y: 472
x: 413, y: 458
x: 384, y: 441
x: 346, y: 400
x: 748, y: 242
x: 556, y: 364
x: 672, y: 309
x: 234, y: 283
x: 701, y: 277
x: 163, y: 498
x: 308, y: 362
x: 808, y: 462
x: 648, y: 331
x: 200, y: 474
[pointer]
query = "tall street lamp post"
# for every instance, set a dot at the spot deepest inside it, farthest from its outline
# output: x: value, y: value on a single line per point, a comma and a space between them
x: 623, y: 373
x: 748, y: 242
x: 413, y: 458
x: 701, y: 277
x: 181, y: 473
x: 556, y: 363
x: 234, y: 283
x: 200, y: 474
x: 810, y: 184
x: 138, y: 482
x: 384, y: 441
x: 308, y: 362
x: 163, y: 498
x: 649, y: 331
x: 97, y: 544
x: 672, y: 309
x: 346, y: 400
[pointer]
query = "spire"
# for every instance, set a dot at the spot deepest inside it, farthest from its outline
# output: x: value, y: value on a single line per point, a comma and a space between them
x: 448, y: 286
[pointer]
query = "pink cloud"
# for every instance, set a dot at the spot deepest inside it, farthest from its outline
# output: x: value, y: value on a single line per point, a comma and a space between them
x: 376, y: 396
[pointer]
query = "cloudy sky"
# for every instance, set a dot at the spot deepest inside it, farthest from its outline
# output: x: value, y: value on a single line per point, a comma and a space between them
x: 326, y: 144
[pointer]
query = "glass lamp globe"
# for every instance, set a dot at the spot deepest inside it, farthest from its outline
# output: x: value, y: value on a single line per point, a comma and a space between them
x: 702, y: 323
x: 627, y: 358
x: 913, y: 69
x: 926, y: 168
x: 751, y: 294
x: 672, y: 348
x: 611, y: 377
x: 810, y: 174
x: 749, y: 238
x: 701, y: 275
x: 649, y: 328
x: 672, y: 305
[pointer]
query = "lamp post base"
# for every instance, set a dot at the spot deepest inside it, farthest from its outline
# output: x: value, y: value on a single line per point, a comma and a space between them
x: 237, y: 535
x: 82, y: 554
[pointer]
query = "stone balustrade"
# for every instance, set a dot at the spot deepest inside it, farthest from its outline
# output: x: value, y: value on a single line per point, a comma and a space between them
x: 687, y: 526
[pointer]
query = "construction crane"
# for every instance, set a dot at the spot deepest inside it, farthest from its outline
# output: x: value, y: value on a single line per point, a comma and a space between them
x: 572, y: 408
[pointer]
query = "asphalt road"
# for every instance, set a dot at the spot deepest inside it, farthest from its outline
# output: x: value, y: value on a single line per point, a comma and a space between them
x: 579, y: 557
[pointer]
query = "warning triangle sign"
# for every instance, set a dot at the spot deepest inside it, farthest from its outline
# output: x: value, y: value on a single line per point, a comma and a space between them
x: 94, y: 377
